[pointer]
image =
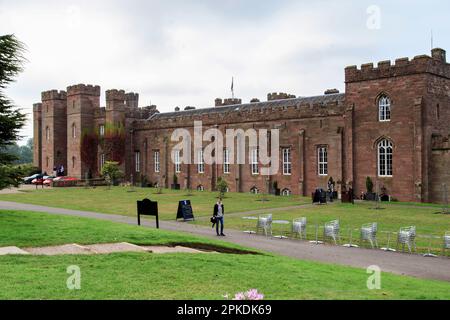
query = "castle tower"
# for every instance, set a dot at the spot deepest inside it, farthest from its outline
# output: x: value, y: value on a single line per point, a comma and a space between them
x: 396, y: 113
x: 82, y: 101
x: 37, y: 135
x: 115, y: 107
x: 53, y: 130
x: 132, y: 100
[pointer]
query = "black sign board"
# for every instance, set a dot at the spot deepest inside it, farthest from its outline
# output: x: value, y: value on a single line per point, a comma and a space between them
x: 147, y: 207
x: 319, y: 196
x: 185, y: 210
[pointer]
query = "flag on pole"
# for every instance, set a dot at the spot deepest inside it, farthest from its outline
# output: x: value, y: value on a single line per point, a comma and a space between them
x: 232, y: 87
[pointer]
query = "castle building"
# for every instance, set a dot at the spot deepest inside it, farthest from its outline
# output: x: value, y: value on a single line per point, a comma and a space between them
x: 392, y: 124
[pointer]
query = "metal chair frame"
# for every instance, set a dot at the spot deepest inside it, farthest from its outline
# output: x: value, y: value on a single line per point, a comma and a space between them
x: 331, y: 230
x: 369, y: 233
x: 407, y: 236
x: 264, y: 224
x: 299, y: 228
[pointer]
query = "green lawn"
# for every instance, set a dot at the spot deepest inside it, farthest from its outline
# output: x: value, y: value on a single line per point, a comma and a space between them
x: 352, y: 217
x: 118, y: 200
x: 174, y: 276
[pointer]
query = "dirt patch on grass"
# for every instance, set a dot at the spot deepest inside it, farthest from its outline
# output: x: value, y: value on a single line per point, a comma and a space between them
x: 213, y: 248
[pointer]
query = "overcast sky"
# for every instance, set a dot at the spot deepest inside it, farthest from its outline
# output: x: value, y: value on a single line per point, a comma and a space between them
x: 184, y: 53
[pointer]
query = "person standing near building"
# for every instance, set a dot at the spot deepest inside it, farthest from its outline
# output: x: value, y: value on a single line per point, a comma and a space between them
x: 219, y: 211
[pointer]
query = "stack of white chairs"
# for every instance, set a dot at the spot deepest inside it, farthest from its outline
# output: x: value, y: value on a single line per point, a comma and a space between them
x: 264, y: 224
x: 369, y: 233
x: 331, y: 230
x: 407, y: 236
x: 446, y: 241
x: 299, y: 228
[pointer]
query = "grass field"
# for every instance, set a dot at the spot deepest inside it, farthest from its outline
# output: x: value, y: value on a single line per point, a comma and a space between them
x: 174, y: 276
x: 118, y: 200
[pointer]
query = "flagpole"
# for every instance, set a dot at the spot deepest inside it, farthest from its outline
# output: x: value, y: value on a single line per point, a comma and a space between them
x: 232, y: 87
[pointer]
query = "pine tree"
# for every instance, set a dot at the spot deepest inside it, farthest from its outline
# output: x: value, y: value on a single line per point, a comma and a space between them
x: 11, y: 119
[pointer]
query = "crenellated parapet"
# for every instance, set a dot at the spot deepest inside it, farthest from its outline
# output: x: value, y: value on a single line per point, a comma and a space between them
x: 279, y: 96
x: 82, y: 89
x: 299, y: 108
x: 132, y: 100
x: 434, y: 64
x: 227, y: 102
x: 37, y: 107
x: 53, y: 95
x: 115, y: 95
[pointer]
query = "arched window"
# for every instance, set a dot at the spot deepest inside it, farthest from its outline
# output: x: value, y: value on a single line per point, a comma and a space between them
x: 384, y: 108
x: 47, y: 133
x: 385, y: 154
x: 200, y: 188
x: 286, y: 192
x: 254, y: 190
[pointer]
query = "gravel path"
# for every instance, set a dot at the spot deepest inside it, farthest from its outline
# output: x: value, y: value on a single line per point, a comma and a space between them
x: 398, y: 263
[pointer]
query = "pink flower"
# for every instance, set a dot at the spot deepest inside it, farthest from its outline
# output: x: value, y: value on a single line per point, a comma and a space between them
x: 252, y: 294
x: 239, y: 296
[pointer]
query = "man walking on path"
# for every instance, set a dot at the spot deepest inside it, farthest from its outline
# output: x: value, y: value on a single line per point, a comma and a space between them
x: 219, y: 211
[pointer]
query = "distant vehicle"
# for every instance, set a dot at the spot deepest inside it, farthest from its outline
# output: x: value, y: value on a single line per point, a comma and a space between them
x: 38, y: 180
x: 64, y: 179
x: 29, y: 180
x: 48, y: 180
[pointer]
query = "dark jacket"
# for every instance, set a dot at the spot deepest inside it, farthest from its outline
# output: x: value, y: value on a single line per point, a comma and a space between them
x: 216, y: 209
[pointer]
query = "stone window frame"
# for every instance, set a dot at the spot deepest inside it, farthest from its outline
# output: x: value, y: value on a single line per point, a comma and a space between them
x: 200, y: 188
x: 137, y: 161
x: 226, y: 161
x: 200, y: 161
x: 286, y: 192
x: 322, y: 160
x: 286, y: 164
x: 74, y: 130
x: 101, y: 130
x: 385, y: 166
x: 102, y: 160
x: 156, y: 161
x: 384, y: 109
x: 177, y: 159
x: 47, y: 133
x: 254, y: 165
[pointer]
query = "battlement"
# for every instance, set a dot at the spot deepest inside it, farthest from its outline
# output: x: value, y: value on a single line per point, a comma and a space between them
x: 227, y: 102
x: 132, y: 100
x: 53, y: 95
x: 37, y: 107
x: 115, y: 95
x: 82, y: 89
x: 279, y: 96
x: 436, y: 64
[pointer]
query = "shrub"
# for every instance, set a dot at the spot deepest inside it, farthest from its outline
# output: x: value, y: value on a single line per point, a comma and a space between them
x: 222, y: 187
x: 111, y: 172
x: 369, y: 185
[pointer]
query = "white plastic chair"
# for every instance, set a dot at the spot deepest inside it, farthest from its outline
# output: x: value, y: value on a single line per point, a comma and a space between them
x: 331, y: 230
x: 407, y: 236
x: 264, y: 224
x: 299, y: 228
x: 369, y: 233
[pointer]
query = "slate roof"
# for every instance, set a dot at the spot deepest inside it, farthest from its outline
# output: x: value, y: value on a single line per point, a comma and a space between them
x: 316, y: 100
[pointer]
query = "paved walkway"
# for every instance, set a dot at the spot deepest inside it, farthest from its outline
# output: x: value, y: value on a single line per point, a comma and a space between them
x: 398, y: 263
